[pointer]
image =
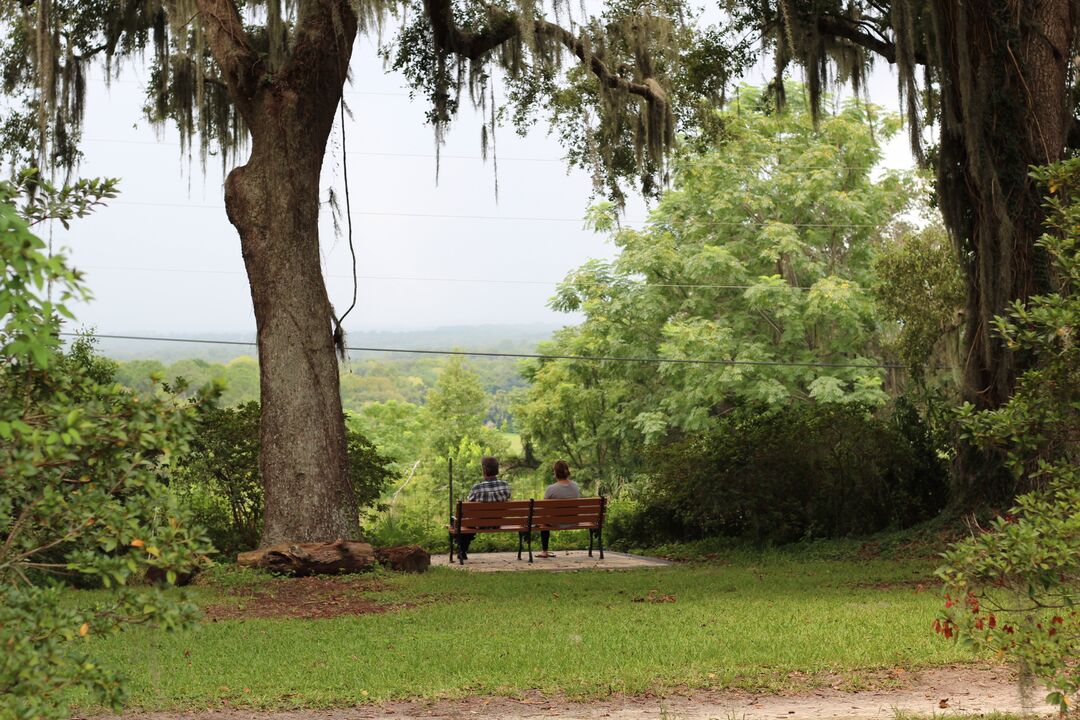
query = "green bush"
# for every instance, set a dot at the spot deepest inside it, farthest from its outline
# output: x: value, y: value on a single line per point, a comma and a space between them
x: 1014, y: 587
x: 219, y: 478
x: 82, y: 494
x: 773, y: 477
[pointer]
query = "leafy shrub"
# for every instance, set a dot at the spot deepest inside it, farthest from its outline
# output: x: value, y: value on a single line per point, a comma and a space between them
x: 219, y: 479
x: 82, y: 495
x: 1015, y: 587
x: 807, y: 471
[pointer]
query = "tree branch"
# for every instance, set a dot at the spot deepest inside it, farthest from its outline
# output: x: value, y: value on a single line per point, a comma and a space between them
x: 325, y: 32
x: 504, y: 27
x: 231, y: 47
x: 649, y: 89
x: 843, y: 28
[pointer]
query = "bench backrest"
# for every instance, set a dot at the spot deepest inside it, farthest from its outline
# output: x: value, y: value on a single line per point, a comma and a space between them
x: 526, y: 515
x: 568, y: 514
x: 494, y: 516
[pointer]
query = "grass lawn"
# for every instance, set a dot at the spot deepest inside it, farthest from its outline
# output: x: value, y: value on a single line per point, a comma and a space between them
x: 760, y: 622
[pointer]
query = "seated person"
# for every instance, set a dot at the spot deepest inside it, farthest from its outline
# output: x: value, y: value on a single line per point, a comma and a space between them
x: 562, y: 489
x: 490, y: 489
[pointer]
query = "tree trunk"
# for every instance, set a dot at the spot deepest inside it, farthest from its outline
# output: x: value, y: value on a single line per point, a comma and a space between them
x: 273, y: 201
x: 1006, y: 106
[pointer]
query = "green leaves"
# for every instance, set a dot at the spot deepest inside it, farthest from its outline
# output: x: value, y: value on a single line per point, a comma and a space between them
x: 760, y: 254
x: 1015, y: 587
x: 82, y: 463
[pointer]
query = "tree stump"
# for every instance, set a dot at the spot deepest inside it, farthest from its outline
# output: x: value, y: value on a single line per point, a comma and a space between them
x: 301, y: 559
x: 404, y: 558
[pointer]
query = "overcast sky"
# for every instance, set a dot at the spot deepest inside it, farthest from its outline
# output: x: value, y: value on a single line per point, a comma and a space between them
x: 163, y: 258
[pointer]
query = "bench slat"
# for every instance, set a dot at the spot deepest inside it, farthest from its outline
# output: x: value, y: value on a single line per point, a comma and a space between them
x: 473, y: 513
x: 567, y: 519
x: 569, y: 502
x: 505, y: 505
x: 521, y: 527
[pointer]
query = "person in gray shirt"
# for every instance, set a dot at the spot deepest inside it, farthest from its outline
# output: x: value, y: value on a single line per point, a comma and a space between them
x: 562, y: 489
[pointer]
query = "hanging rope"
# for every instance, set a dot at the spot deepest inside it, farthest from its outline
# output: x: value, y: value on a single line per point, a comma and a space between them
x: 339, y: 333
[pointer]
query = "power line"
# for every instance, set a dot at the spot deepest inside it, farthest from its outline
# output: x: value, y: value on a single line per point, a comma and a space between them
x: 493, y: 281
x: 370, y: 153
x: 780, y: 167
x: 128, y: 81
x: 526, y: 218
x: 534, y: 356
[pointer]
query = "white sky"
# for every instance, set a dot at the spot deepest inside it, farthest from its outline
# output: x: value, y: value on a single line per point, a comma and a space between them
x: 163, y: 258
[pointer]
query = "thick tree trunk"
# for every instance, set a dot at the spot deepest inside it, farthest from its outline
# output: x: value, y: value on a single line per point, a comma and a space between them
x: 1006, y: 106
x: 273, y: 201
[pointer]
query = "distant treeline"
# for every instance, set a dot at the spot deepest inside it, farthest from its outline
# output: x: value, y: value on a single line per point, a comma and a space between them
x: 399, y: 378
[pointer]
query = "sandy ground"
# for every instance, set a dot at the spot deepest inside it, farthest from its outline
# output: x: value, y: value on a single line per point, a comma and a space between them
x: 944, y: 692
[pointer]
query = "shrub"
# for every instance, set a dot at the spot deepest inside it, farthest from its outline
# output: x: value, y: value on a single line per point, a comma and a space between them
x: 82, y: 494
x: 1015, y: 587
x: 219, y: 479
x: 806, y: 471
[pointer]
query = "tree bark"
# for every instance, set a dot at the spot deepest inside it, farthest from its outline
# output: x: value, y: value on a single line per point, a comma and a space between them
x: 302, y: 559
x: 1006, y: 106
x: 273, y: 201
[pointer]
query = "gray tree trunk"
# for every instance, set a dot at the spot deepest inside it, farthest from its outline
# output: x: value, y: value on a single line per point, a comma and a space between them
x: 273, y: 201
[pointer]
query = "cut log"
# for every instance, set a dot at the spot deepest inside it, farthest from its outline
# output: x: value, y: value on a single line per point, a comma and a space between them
x: 300, y: 559
x: 404, y: 558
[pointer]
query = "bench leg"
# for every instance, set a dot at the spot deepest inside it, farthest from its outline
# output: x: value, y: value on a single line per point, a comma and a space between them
x: 530, y: 547
x: 600, y: 541
x: 451, y: 548
x: 521, y: 542
x: 590, y: 542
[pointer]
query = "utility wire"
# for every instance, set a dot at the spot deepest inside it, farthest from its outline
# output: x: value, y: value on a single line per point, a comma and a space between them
x: 535, y: 356
x: 493, y: 281
x: 522, y: 218
x: 784, y: 167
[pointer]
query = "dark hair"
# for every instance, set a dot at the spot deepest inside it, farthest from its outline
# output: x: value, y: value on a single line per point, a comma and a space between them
x: 490, y: 466
x: 562, y: 470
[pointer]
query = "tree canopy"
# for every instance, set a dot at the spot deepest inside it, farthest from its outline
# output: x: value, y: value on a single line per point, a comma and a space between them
x: 757, y: 260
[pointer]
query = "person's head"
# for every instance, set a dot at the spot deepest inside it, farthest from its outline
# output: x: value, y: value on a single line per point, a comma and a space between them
x: 562, y: 470
x: 490, y: 467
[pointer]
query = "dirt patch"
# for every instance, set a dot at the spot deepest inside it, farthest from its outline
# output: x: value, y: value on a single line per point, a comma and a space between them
x: 309, y: 598
x: 968, y: 691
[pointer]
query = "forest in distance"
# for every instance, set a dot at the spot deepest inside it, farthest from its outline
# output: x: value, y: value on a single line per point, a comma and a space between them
x: 366, y: 377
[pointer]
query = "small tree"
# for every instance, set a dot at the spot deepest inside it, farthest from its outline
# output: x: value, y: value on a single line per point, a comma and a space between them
x: 1015, y: 587
x: 745, y: 262
x: 81, y: 461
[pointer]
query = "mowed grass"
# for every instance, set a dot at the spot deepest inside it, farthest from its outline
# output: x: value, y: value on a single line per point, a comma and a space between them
x: 760, y: 623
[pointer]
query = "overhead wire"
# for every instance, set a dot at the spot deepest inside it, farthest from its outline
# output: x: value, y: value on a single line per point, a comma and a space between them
x: 526, y: 218
x: 527, y: 356
x: 786, y: 167
x: 493, y: 281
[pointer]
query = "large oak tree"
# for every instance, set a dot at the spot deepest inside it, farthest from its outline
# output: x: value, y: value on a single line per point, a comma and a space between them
x: 996, y: 80
x: 272, y: 72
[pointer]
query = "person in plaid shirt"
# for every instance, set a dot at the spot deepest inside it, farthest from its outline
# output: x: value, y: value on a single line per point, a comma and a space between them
x: 490, y: 489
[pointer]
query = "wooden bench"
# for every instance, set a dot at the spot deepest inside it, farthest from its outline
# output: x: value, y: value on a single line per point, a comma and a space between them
x: 528, y: 516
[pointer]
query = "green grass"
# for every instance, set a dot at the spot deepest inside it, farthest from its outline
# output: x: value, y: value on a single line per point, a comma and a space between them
x: 517, y: 449
x: 748, y: 624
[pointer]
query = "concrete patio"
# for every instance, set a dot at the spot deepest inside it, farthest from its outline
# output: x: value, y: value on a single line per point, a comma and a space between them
x: 564, y: 561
